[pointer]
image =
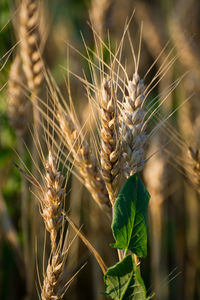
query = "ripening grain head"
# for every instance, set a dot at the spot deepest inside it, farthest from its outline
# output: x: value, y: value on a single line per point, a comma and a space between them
x: 30, y: 36
x: 17, y: 102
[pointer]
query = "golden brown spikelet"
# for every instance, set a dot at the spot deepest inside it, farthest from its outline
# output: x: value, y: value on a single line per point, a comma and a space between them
x: 30, y: 43
x: 17, y: 100
x: 52, y: 203
x: 52, y: 287
x: 84, y: 161
x: 133, y: 135
x: 110, y: 146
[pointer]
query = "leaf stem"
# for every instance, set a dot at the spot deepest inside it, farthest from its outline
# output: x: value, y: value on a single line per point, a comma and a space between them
x: 125, y: 252
x: 120, y: 254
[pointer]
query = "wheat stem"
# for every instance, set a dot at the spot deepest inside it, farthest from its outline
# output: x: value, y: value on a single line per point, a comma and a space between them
x: 195, y: 156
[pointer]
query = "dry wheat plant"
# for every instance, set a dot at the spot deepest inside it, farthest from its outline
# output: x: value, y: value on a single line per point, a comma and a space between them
x: 99, y: 150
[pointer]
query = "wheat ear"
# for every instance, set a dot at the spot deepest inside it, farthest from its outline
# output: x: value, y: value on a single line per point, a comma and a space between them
x: 132, y: 132
x: 17, y: 100
x: 30, y: 43
x: 51, y: 211
x: 110, y: 149
x: 84, y: 161
x: 52, y: 203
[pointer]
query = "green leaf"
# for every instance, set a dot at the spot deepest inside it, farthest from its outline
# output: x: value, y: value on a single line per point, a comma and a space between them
x: 123, y: 281
x: 129, y: 217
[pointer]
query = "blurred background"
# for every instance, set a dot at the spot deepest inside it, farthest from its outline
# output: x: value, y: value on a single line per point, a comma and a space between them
x: 172, y: 175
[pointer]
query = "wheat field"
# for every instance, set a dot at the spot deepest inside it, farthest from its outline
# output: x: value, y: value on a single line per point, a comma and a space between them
x: 99, y: 149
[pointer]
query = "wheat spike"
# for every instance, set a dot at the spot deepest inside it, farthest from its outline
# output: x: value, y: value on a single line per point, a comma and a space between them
x: 17, y: 101
x: 84, y: 161
x: 52, y: 205
x: 110, y: 150
x: 51, y: 198
x: 30, y: 43
x: 133, y: 136
x: 52, y: 202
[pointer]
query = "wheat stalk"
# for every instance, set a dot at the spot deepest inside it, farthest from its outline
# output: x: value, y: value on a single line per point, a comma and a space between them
x: 110, y: 146
x: 195, y: 156
x: 132, y: 132
x: 156, y: 174
x: 18, y: 112
x: 10, y: 234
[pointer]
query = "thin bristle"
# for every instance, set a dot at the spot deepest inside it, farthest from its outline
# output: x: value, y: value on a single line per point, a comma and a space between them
x: 84, y: 161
